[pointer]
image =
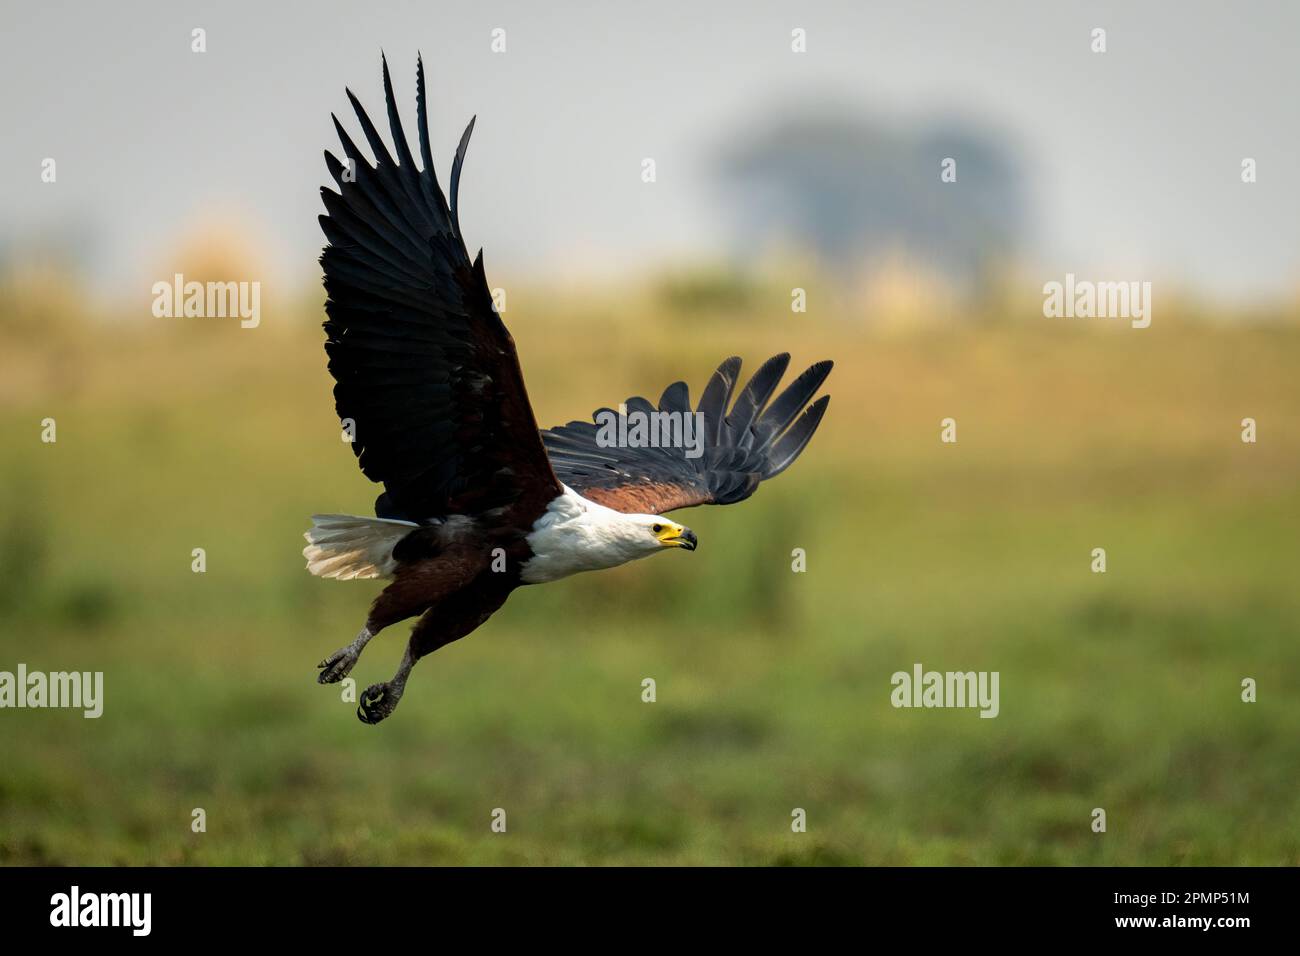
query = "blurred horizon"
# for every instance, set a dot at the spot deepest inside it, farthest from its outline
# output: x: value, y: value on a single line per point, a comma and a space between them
x: 1122, y: 165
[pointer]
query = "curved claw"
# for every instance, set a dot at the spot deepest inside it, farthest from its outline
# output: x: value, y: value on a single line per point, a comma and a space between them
x: 337, y: 666
x: 378, y: 701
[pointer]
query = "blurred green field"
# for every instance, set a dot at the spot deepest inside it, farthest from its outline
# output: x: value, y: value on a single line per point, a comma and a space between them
x: 1119, y: 691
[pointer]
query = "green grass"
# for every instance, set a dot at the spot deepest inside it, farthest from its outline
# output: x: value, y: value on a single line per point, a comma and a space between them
x: 1118, y: 691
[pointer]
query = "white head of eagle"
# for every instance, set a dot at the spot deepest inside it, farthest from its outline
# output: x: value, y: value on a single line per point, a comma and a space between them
x: 477, y: 500
x: 575, y: 535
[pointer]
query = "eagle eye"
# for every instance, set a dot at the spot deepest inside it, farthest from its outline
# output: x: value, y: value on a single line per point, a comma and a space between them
x: 657, y: 528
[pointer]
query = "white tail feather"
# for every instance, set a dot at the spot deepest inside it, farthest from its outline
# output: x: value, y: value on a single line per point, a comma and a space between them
x: 347, y: 547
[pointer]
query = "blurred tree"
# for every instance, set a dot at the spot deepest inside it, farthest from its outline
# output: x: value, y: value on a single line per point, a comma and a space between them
x: 852, y: 190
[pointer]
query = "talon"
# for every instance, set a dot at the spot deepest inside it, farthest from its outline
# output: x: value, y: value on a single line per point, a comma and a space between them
x: 378, y: 702
x: 339, y: 664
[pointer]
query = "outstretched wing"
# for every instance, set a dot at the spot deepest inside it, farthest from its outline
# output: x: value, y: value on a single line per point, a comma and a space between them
x: 744, y: 443
x: 426, y: 372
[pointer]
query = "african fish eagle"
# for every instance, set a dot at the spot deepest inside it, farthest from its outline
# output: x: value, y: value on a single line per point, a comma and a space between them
x: 477, y: 501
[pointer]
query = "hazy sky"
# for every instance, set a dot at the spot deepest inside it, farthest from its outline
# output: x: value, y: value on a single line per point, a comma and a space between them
x: 1132, y: 157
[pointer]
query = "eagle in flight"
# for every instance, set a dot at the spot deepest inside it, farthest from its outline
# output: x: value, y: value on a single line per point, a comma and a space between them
x: 477, y: 501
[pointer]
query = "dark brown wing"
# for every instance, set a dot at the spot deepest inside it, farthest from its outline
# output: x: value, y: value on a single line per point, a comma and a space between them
x: 743, y: 443
x: 425, y: 368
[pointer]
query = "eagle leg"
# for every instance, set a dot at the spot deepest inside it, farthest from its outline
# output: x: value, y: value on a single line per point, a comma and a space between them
x: 337, y: 666
x: 447, y: 621
x: 380, y: 700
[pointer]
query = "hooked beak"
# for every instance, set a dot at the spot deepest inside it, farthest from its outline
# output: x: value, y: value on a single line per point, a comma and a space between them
x: 686, y: 540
